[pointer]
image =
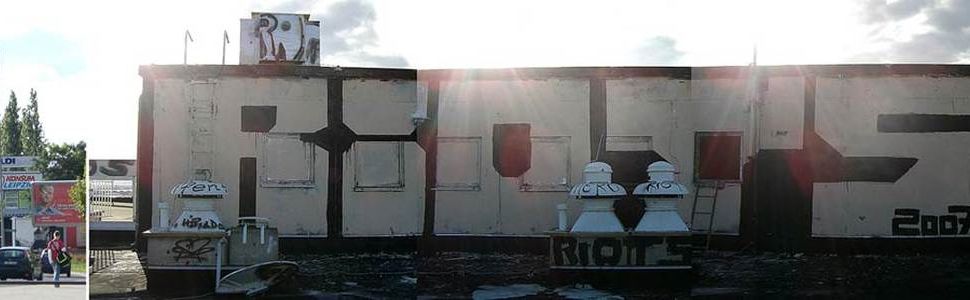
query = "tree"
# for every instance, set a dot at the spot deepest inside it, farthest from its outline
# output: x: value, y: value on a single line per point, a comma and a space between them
x: 31, y: 131
x: 79, y: 196
x: 10, y: 129
x: 62, y: 162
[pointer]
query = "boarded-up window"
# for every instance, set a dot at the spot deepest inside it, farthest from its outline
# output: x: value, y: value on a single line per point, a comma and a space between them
x: 378, y: 166
x: 550, y: 165
x: 717, y: 156
x: 287, y: 161
x: 459, y: 164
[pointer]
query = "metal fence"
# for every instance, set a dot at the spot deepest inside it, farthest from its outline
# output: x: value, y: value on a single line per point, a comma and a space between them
x: 104, y: 195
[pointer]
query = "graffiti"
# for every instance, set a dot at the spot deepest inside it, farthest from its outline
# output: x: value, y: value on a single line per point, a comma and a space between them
x: 194, y: 222
x: 287, y: 37
x: 191, y: 249
x: 909, y: 222
x: 111, y: 168
x: 654, y: 185
x: 200, y: 188
x: 612, y: 251
x: 606, y: 188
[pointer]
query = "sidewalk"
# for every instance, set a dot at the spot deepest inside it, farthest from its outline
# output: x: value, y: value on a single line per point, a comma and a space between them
x: 119, y: 272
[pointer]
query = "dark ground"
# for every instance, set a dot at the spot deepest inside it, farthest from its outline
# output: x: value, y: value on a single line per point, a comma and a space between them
x: 720, y: 275
x: 724, y: 275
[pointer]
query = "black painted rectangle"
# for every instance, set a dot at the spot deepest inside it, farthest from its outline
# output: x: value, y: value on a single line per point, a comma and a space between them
x: 247, y: 187
x: 922, y: 123
x: 257, y: 118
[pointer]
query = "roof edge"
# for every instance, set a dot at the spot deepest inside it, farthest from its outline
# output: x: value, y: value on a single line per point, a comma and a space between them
x: 707, y: 72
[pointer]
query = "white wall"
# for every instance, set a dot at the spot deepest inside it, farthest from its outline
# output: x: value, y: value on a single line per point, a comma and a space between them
x: 382, y: 108
x: 554, y: 107
x: 301, y: 107
x: 846, y: 114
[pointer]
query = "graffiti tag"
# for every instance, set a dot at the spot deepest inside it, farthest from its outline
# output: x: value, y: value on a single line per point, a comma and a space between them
x: 612, y: 252
x: 599, y: 188
x: 198, y: 223
x: 653, y: 185
x: 191, y: 249
x: 909, y: 222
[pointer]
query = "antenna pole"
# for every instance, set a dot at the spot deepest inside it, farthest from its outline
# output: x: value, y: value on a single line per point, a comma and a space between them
x: 185, y: 47
x: 225, y: 41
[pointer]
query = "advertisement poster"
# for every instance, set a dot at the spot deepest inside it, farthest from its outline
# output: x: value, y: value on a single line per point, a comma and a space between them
x: 53, y: 203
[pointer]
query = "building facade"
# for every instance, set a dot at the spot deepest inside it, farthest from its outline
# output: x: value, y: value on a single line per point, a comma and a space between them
x: 807, y: 157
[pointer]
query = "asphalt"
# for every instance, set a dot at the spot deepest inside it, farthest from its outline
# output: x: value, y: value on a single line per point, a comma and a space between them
x: 75, y: 279
x: 25, y: 291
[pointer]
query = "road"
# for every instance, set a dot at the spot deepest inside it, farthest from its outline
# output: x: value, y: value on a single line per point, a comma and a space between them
x: 43, y: 291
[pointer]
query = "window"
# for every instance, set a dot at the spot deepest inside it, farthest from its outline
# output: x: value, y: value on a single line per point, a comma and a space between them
x: 550, y: 165
x: 13, y: 253
x: 287, y: 161
x: 717, y: 156
x: 459, y: 164
x: 378, y: 166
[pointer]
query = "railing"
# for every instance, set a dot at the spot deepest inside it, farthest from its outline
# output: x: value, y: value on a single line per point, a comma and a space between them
x: 104, y: 195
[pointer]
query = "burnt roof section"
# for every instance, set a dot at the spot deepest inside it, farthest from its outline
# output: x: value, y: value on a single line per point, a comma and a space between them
x: 855, y: 70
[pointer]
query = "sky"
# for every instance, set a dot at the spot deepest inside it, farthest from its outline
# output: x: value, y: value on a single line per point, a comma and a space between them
x: 83, y: 56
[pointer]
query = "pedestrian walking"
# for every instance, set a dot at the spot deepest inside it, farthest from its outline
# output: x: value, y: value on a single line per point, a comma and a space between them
x: 56, y: 250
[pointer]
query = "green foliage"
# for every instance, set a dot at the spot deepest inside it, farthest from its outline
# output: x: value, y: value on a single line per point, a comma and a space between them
x: 79, y: 196
x: 31, y: 131
x: 62, y: 162
x: 10, y: 129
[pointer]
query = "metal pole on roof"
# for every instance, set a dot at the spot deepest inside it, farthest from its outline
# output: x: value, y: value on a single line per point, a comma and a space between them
x: 225, y: 41
x: 185, y: 47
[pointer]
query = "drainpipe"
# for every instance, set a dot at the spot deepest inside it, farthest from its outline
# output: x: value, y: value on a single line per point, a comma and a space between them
x: 222, y: 241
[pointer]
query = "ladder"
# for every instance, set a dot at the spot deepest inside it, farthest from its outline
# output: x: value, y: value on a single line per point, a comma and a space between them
x: 712, y: 188
x: 202, y: 111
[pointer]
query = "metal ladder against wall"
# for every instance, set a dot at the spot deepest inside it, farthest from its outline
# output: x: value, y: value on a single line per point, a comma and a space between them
x: 202, y: 112
x: 711, y: 188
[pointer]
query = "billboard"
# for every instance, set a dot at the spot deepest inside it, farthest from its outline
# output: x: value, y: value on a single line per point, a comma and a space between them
x: 20, y: 181
x: 53, y: 204
x: 17, y: 203
x: 17, y: 163
x: 274, y: 38
x: 111, y: 168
